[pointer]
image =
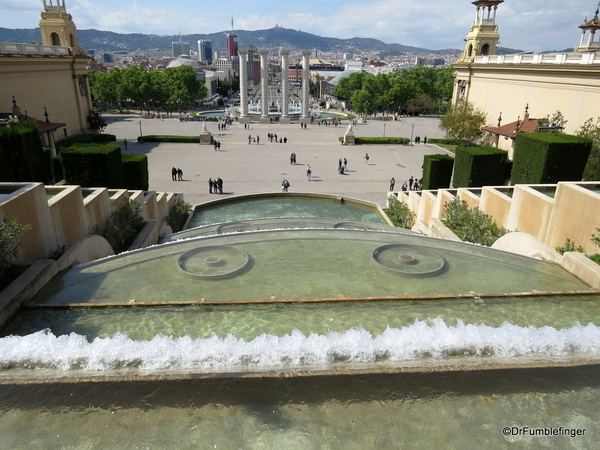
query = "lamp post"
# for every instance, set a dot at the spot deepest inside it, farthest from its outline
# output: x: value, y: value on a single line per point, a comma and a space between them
x: 383, y: 129
x: 141, y: 134
x: 411, y: 133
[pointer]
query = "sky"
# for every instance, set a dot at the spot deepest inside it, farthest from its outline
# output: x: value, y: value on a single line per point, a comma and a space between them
x: 528, y: 25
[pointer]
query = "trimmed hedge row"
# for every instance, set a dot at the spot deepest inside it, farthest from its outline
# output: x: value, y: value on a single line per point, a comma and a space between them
x: 437, y: 171
x: 479, y: 166
x: 175, y: 139
x: 22, y: 157
x: 382, y: 140
x: 135, y: 172
x: 542, y: 158
x: 85, y: 139
x: 443, y: 141
x: 93, y: 165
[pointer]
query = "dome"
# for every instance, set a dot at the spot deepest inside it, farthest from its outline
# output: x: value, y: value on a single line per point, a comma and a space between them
x: 184, y: 60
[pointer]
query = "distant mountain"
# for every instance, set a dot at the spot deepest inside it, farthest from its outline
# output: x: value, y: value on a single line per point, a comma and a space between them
x: 272, y: 38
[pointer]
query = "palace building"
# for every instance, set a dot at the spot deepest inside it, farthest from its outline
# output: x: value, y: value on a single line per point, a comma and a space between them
x: 510, y: 88
x: 48, y: 81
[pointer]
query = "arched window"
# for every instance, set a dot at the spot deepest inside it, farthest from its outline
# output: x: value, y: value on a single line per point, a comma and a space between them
x: 485, y: 50
x: 55, y: 39
x: 72, y: 39
x: 470, y: 51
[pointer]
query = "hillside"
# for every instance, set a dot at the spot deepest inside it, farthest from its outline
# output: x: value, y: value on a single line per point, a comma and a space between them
x: 271, y: 38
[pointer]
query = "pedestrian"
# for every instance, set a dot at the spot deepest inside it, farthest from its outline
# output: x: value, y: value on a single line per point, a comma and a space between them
x: 174, y: 173
x: 284, y: 140
x: 292, y: 158
x: 219, y: 145
x: 425, y: 140
x: 346, y: 164
x: 257, y: 139
x: 125, y: 144
x: 366, y: 158
x: 220, y: 185
x: 404, y: 187
x: 308, y: 172
x: 392, y: 184
x: 411, y: 180
x: 339, y: 164
x: 180, y: 174
x: 210, y: 186
x: 249, y: 139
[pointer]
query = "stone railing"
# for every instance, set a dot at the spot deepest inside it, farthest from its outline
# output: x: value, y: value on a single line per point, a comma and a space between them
x: 540, y: 58
x: 9, y: 48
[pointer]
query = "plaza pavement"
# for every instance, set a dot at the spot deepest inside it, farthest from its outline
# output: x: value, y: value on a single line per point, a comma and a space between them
x: 251, y: 168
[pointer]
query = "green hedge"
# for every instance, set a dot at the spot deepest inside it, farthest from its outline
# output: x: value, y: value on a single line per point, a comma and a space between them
x: 479, y: 166
x: 542, y: 158
x: 437, y: 171
x: 176, y: 139
x: 93, y: 165
x: 22, y: 157
x: 382, y: 140
x: 57, y: 168
x: 135, y: 172
x: 85, y: 139
x: 443, y: 141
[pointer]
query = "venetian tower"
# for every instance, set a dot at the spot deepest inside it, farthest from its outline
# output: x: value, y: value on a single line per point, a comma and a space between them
x: 590, y: 42
x: 57, y: 27
x: 483, y: 39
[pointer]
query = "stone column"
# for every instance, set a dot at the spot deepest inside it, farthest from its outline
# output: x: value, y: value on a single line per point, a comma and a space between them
x: 264, y: 86
x: 305, y: 88
x: 244, y: 86
x: 285, y: 86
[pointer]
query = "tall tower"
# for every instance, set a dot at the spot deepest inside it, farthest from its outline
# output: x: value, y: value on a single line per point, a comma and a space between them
x: 483, y: 39
x: 232, y: 45
x: 205, y: 51
x: 590, y: 42
x: 58, y: 28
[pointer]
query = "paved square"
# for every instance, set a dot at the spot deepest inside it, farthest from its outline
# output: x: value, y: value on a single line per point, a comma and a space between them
x: 257, y: 168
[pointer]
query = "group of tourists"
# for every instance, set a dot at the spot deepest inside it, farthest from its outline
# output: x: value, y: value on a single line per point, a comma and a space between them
x: 418, y: 140
x: 285, y: 184
x: 215, y: 186
x: 217, y: 145
x: 342, y: 166
x: 176, y: 174
x: 293, y: 158
x: 413, y: 184
x: 273, y: 138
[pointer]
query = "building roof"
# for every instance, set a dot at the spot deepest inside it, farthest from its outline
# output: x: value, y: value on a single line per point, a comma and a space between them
x: 184, y: 60
x: 510, y: 129
x: 42, y: 126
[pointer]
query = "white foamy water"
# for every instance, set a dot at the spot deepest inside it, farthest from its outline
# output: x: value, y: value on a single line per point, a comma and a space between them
x: 423, y: 339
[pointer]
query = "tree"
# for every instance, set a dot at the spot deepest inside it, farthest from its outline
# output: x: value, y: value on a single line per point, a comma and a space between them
x: 591, y: 130
x: 463, y: 122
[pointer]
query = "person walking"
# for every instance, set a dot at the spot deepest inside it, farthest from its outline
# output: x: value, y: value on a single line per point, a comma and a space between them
x: 210, y: 186
x: 346, y: 164
x: 174, y: 174
x: 392, y: 184
x: 308, y: 172
x: 339, y: 164
x: 411, y: 180
x: 125, y: 144
x: 366, y: 158
x: 180, y: 174
x: 425, y: 140
x: 220, y: 185
x: 404, y: 187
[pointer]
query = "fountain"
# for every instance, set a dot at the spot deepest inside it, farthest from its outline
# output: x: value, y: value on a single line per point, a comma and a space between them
x: 343, y: 334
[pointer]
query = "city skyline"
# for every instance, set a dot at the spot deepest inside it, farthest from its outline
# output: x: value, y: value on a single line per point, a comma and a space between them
x: 529, y: 25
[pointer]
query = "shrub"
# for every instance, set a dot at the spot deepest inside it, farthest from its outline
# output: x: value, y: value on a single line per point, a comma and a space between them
x: 22, y: 157
x: 437, y: 171
x: 175, y: 139
x: 85, y: 139
x: 479, y: 166
x: 93, y: 165
x: 57, y: 168
x: 178, y: 215
x: 10, y: 230
x: 381, y: 140
x: 399, y: 213
x: 135, y: 172
x: 443, y: 141
x: 547, y: 158
x: 471, y: 225
x: 122, y: 226
x: 569, y: 247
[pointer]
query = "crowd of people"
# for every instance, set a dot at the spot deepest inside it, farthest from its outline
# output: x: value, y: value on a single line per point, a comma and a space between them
x: 215, y: 186
x: 413, y: 184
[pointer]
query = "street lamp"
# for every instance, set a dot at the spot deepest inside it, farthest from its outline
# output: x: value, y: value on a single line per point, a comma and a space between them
x: 383, y: 129
x: 141, y: 134
x: 411, y: 133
